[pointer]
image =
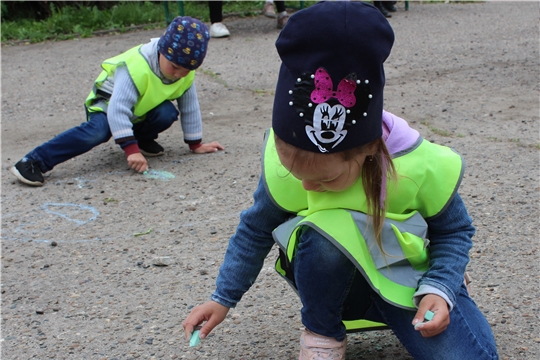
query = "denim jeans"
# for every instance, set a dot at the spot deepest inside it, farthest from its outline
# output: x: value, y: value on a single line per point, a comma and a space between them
x: 333, y: 290
x: 96, y: 131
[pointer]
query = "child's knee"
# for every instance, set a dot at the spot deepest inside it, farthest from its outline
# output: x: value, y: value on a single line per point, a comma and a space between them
x: 167, y: 112
x: 322, y: 251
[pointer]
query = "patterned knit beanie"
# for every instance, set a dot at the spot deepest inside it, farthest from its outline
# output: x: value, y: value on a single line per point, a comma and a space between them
x: 329, y: 94
x: 185, y: 42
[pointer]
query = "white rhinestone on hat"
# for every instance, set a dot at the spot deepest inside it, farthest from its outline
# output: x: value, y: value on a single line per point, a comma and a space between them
x: 298, y: 80
x: 370, y: 96
x: 312, y: 76
x: 353, y: 122
x: 348, y: 111
x: 367, y: 81
x: 290, y: 92
x: 301, y: 114
x: 291, y: 103
x: 310, y: 105
x: 365, y: 114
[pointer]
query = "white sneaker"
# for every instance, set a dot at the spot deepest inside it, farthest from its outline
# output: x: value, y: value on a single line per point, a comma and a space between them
x: 318, y: 347
x: 218, y: 30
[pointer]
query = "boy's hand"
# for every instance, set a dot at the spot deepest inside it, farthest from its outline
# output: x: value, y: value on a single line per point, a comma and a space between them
x: 440, y: 321
x: 208, y: 148
x: 211, y: 312
x: 137, y: 162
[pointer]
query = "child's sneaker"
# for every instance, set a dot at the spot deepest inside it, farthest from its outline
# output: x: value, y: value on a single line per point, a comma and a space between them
x: 318, y: 347
x: 28, y: 171
x: 150, y: 148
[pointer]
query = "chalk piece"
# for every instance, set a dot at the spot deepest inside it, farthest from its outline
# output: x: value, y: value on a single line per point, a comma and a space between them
x: 145, y: 172
x: 195, y: 339
x: 429, y: 315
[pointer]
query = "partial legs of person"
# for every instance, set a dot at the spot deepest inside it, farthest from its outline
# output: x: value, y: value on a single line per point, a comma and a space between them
x: 389, y: 5
x: 323, y: 276
x: 268, y: 9
x: 156, y: 121
x: 67, y: 145
x: 282, y: 15
x: 332, y: 289
x: 468, y: 336
x: 379, y: 5
x: 217, y: 28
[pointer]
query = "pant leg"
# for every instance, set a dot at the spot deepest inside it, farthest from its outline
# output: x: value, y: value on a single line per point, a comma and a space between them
x: 468, y: 336
x: 280, y: 6
x: 73, y: 142
x: 156, y: 121
x: 216, y: 11
x: 323, y: 276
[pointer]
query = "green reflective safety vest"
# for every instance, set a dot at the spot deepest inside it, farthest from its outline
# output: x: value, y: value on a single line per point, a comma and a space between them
x: 152, y: 91
x: 428, y: 177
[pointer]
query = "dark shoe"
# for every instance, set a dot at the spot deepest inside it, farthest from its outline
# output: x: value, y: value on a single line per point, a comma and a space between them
x: 382, y: 9
x: 282, y: 21
x: 150, y: 148
x: 389, y: 5
x: 28, y: 171
x: 269, y: 11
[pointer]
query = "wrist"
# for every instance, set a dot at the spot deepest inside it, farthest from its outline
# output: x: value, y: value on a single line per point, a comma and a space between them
x: 193, y: 147
x: 131, y: 149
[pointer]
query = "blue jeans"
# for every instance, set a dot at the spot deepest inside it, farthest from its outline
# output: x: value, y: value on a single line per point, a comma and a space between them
x: 96, y: 131
x: 333, y: 290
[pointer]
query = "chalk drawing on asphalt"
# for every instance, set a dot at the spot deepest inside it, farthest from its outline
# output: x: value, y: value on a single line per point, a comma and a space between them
x: 159, y: 175
x: 72, y: 212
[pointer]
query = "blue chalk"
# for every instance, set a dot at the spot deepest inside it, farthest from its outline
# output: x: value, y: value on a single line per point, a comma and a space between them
x: 429, y: 315
x: 195, y: 339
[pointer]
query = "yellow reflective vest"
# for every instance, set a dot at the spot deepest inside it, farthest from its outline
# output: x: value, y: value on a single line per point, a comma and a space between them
x: 428, y: 177
x: 152, y: 90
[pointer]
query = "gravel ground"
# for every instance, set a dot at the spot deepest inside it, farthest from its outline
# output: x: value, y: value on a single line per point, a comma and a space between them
x: 78, y: 273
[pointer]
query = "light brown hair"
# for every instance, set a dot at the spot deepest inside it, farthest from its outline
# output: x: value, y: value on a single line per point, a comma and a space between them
x: 377, y: 168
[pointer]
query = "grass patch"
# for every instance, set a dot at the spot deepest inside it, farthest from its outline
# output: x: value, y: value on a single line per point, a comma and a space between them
x: 214, y: 76
x: 436, y: 130
x: 76, y: 20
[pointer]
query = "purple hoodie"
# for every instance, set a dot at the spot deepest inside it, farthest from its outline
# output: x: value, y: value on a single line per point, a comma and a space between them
x: 397, y: 133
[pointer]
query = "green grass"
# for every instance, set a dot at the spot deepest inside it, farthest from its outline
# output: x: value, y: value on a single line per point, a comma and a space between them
x: 75, y: 21
x: 437, y: 131
x: 214, y: 76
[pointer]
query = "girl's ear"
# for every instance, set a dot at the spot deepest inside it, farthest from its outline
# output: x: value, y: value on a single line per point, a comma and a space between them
x: 373, y: 147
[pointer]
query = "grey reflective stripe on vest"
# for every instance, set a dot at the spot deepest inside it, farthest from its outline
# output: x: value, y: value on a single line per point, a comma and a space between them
x: 283, y: 232
x: 394, y: 265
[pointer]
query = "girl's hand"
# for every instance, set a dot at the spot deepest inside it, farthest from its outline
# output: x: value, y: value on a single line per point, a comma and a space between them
x: 137, y: 162
x: 211, y: 312
x: 440, y: 321
x: 208, y: 148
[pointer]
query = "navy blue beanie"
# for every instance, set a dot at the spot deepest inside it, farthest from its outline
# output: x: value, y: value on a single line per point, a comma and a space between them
x: 185, y: 42
x: 329, y: 94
